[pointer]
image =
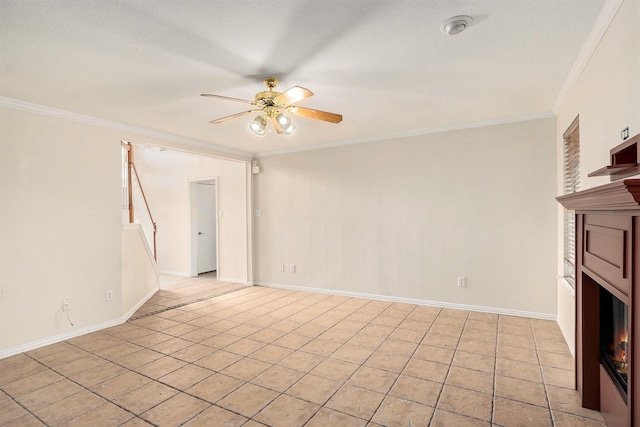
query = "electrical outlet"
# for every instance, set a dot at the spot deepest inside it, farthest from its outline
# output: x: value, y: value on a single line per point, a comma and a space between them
x: 281, y: 268
x: 624, y: 134
x: 462, y: 282
x: 292, y: 267
x: 65, y: 304
x: 108, y: 295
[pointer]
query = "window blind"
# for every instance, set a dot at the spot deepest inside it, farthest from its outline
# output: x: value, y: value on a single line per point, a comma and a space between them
x: 571, y: 184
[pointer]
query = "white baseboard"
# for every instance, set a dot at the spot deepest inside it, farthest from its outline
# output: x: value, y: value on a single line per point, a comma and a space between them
x: 58, y: 338
x: 174, y: 273
x: 480, y: 308
x: 135, y: 308
x: 240, y: 282
x: 72, y: 334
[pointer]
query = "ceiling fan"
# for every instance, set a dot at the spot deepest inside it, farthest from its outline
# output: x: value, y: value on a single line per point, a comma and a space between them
x: 276, y: 107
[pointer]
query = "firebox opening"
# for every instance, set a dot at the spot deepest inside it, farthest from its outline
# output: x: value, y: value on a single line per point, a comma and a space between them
x: 614, y: 339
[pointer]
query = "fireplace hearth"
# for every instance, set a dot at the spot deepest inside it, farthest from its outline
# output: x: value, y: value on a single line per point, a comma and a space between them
x: 608, y: 299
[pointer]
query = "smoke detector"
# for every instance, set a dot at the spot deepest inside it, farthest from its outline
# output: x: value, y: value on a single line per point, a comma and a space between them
x: 456, y: 24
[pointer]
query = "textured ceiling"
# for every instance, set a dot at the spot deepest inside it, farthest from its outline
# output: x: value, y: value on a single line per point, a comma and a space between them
x: 384, y: 65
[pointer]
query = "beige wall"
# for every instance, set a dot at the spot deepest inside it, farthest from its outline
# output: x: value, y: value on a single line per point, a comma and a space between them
x: 165, y: 176
x: 139, y: 270
x: 606, y: 97
x: 405, y: 217
x: 59, y: 226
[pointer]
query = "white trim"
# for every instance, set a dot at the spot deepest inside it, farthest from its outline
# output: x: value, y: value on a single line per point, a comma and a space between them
x: 249, y: 217
x: 174, y: 273
x: 94, y: 121
x: 240, y: 282
x: 480, y: 308
x: 134, y: 226
x: 245, y: 155
x: 73, y: 334
x: 572, y: 347
x: 135, y: 308
x: 407, y: 133
x: 192, y: 226
x: 58, y: 338
x: 605, y: 18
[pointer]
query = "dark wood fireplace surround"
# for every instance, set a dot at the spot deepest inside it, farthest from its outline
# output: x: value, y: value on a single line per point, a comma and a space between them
x: 607, y: 255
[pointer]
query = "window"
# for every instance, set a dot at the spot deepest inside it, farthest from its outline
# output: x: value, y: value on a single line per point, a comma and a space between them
x: 571, y: 184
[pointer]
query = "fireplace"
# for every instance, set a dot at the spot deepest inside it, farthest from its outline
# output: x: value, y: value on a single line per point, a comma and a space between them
x: 608, y: 299
x: 614, y: 340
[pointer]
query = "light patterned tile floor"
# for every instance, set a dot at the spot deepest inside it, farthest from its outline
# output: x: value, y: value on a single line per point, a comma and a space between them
x: 208, y: 353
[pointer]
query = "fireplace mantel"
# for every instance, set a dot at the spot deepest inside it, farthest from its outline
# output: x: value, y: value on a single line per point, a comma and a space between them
x: 607, y: 257
x: 619, y: 195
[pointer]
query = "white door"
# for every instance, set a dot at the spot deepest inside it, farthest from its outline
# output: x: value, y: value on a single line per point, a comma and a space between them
x: 206, y: 220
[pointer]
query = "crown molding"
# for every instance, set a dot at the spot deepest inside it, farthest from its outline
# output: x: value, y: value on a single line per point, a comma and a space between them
x: 603, y: 22
x: 408, y: 133
x: 232, y: 154
x: 94, y: 121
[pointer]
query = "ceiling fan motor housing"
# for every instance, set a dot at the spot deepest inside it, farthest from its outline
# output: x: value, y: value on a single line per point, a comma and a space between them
x: 274, y: 104
x: 266, y: 96
x: 271, y: 82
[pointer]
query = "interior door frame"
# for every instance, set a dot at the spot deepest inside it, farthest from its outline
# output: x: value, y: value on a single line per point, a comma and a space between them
x: 193, y: 224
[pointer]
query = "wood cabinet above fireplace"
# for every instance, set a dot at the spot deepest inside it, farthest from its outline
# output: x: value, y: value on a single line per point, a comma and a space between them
x: 607, y: 269
x: 625, y: 160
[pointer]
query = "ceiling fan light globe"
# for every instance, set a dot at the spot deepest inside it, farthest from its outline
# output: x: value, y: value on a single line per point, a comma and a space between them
x: 290, y: 129
x: 258, y: 124
x: 283, y: 120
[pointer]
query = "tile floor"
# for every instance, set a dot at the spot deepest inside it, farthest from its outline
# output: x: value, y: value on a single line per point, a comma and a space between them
x: 255, y: 356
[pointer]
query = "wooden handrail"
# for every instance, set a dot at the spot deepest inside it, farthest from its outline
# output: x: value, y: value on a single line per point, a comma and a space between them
x: 144, y: 197
x: 132, y: 171
x: 129, y: 148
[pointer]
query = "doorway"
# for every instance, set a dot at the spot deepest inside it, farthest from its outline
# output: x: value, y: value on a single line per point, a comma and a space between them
x: 204, y: 226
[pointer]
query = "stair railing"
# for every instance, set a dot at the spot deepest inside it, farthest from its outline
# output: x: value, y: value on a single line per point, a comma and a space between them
x: 139, y: 211
x: 138, y: 207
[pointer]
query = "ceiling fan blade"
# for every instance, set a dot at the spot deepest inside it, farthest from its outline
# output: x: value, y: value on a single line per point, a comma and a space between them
x: 293, y: 95
x: 315, y: 114
x: 228, y: 98
x: 222, y: 119
x: 276, y: 126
